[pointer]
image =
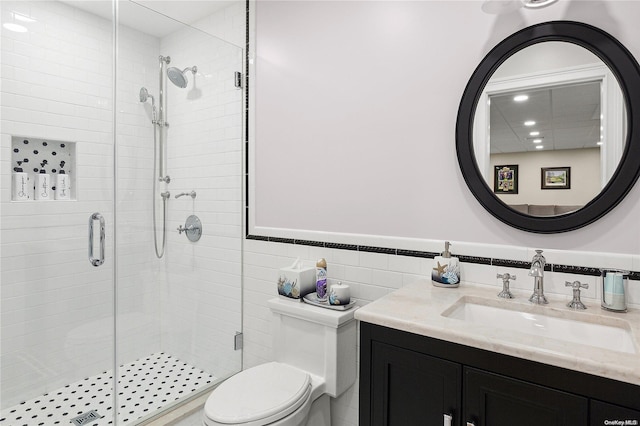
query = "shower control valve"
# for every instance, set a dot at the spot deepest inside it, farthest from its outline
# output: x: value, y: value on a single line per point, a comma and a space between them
x: 192, y: 228
x: 166, y: 179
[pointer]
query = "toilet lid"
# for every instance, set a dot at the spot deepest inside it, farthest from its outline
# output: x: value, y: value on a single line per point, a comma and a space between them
x: 259, y: 395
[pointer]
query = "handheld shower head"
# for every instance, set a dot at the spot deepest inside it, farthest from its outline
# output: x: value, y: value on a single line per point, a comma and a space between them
x: 144, y: 97
x: 179, y: 78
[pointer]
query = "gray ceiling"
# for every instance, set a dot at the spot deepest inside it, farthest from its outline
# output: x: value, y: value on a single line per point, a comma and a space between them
x: 567, y: 117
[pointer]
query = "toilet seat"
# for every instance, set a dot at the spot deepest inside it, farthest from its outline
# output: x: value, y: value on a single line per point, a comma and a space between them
x: 259, y: 396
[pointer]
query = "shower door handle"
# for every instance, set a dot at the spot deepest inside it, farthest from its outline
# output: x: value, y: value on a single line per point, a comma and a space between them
x: 93, y: 260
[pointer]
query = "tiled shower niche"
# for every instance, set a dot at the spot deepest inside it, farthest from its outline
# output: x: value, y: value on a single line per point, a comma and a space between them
x: 42, y: 169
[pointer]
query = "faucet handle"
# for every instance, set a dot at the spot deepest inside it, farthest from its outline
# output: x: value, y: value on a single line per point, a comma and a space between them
x: 576, y: 303
x: 576, y: 285
x: 506, y: 276
x: 505, y: 293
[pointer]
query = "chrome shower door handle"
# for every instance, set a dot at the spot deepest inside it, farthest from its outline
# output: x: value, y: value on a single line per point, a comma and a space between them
x: 93, y: 260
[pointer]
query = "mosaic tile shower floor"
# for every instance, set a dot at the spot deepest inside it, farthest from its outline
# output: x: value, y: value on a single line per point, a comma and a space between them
x: 145, y: 386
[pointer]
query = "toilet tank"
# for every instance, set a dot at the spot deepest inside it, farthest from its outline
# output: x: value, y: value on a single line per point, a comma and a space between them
x: 318, y: 340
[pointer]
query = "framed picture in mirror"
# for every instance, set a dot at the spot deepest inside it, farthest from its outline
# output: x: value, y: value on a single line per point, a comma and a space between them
x: 505, y: 180
x: 555, y: 178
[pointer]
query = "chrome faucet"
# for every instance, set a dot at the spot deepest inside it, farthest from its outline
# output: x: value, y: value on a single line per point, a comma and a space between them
x: 191, y: 194
x: 537, y: 272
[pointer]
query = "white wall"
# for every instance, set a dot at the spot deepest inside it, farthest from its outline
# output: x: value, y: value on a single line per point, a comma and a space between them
x: 365, y: 117
x: 543, y: 57
x: 584, y: 179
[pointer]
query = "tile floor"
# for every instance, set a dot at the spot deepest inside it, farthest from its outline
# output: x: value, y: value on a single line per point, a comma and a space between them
x: 145, y: 386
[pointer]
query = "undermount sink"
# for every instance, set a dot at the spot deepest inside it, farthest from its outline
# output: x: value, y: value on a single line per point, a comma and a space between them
x: 565, y: 325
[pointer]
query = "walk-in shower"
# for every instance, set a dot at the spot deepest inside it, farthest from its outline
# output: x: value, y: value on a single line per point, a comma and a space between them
x: 120, y: 340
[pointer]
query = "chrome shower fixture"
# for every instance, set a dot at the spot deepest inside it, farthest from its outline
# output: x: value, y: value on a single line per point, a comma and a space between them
x: 144, y: 97
x: 179, y: 78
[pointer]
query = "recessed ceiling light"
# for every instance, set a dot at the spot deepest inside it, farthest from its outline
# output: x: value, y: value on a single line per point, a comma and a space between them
x: 537, y: 140
x: 539, y: 146
x: 529, y: 123
x: 520, y: 98
x: 19, y: 17
x: 14, y: 27
x: 534, y: 134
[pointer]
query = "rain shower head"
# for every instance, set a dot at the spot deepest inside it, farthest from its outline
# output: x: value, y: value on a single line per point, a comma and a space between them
x: 179, y: 78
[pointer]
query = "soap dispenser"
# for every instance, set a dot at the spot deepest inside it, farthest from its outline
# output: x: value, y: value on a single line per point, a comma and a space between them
x: 62, y: 191
x: 43, y: 186
x: 446, y: 269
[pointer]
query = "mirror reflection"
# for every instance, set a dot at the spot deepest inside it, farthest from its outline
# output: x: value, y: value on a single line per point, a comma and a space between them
x: 549, y: 129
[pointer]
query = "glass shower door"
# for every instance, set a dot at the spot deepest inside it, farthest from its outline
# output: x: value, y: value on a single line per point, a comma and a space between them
x: 57, y: 289
x: 179, y: 151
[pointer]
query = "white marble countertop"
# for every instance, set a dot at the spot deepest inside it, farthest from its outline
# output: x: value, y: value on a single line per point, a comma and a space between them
x: 418, y: 309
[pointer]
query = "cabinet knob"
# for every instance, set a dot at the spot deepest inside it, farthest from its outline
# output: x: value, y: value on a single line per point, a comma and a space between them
x: 447, y: 419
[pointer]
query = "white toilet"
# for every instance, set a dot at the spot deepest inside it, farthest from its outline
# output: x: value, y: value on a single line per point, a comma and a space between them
x: 315, y: 359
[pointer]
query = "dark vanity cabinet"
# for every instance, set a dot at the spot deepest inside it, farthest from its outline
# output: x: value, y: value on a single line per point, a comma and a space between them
x: 412, y: 380
x: 496, y: 400
x: 411, y: 388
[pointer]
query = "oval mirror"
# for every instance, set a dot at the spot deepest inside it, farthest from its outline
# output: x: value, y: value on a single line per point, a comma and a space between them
x: 546, y: 136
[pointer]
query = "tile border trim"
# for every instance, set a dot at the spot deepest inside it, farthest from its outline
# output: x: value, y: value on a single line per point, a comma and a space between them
x: 507, y: 263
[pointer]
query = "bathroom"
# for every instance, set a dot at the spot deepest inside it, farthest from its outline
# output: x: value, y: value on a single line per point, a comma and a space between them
x: 377, y: 99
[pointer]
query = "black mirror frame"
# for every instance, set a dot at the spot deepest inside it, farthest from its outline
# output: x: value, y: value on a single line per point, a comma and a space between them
x: 626, y: 70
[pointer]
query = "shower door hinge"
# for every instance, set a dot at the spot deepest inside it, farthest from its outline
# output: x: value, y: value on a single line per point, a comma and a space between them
x: 238, y: 341
x: 238, y: 79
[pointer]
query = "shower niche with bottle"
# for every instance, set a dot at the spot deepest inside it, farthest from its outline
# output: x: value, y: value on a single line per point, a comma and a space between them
x: 42, y: 169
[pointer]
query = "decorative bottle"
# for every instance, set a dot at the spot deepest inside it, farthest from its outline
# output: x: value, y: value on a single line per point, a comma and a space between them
x: 43, y: 186
x: 321, y: 280
x: 21, y: 185
x: 63, y: 189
